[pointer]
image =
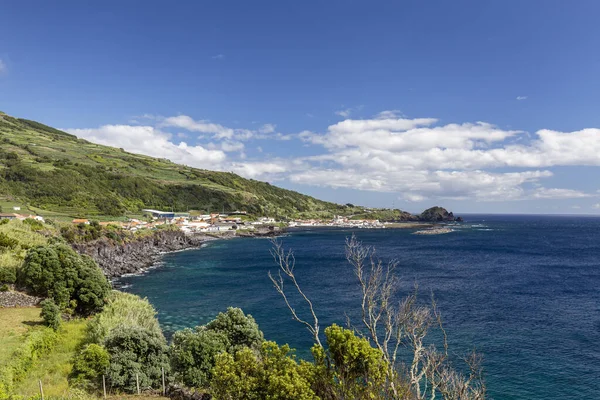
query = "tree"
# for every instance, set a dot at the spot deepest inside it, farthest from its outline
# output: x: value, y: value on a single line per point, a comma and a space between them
x: 132, y: 351
x: 273, y: 374
x: 350, y: 368
x: 390, y: 324
x: 193, y: 352
x: 193, y: 355
x: 51, y: 314
x: 89, y: 365
x: 241, y: 330
x: 58, y: 272
x: 122, y: 309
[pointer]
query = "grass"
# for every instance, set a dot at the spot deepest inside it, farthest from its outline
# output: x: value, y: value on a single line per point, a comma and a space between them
x: 53, y: 370
x: 14, y: 323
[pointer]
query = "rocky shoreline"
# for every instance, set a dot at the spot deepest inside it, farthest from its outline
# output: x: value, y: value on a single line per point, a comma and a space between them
x: 116, y: 259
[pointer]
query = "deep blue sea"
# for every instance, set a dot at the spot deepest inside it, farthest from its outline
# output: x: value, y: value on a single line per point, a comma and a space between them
x: 523, y: 290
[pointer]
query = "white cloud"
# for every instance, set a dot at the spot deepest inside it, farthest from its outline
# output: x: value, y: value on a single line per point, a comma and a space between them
x: 267, y: 128
x: 521, y: 98
x: 185, y: 122
x: 3, y: 67
x: 150, y: 141
x: 344, y: 113
x: 218, y: 57
x: 597, y: 206
x: 543, y: 193
x: 259, y: 170
x: 389, y: 114
x: 417, y: 158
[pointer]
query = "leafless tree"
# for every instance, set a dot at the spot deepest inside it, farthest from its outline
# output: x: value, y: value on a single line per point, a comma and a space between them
x: 392, y: 326
x: 286, y: 262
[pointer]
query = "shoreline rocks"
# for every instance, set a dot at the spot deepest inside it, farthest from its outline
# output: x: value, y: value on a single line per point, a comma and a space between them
x: 433, y: 231
x: 118, y: 259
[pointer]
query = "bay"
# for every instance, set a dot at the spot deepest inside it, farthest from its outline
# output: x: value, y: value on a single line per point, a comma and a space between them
x: 522, y: 290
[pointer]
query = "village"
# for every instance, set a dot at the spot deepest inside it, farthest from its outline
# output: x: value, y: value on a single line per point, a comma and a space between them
x: 214, y: 222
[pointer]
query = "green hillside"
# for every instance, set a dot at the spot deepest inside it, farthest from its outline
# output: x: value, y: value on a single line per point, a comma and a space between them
x: 54, y: 173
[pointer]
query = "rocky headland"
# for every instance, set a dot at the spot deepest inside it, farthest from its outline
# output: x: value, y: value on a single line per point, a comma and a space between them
x: 117, y: 259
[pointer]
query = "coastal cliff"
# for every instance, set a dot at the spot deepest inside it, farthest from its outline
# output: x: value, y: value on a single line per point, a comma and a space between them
x: 117, y: 259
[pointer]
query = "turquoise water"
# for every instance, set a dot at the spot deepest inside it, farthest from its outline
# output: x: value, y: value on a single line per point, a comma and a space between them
x: 523, y: 290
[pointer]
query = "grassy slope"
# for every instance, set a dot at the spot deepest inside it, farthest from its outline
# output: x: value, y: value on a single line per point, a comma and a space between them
x: 57, y: 174
x: 53, y: 370
x: 14, y: 323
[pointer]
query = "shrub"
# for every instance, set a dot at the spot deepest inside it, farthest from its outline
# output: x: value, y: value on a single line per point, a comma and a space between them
x: 132, y: 351
x: 6, y: 242
x: 350, y: 366
x: 58, y: 272
x: 122, y: 309
x: 272, y: 374
x: 36, y: 344
x: 89, y: 365
x: 193, y: 355
x: 4, y: 288
x: 241, y: 330
x: 193, y: 352
x: 51, y: 314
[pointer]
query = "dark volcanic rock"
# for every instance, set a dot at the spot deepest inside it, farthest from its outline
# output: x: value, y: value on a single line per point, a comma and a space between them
x: 117, y: 259
x: 438, y: 214
x: 18, y: 299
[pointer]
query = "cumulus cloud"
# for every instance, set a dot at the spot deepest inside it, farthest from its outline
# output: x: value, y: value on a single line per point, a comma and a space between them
x: 153, y: 142
x: 418, y: 158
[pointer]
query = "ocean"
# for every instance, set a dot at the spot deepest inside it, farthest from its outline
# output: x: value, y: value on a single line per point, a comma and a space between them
x: 522, y: 290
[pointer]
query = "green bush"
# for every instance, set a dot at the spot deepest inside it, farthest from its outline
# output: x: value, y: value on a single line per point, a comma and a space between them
x: 89, y: 365
x: 272, y: 374
x: 8, y: 274
x: 349, y: 367
x: 37, y: 343
x: 132, y: 351
x: 6, y: 242
x: 193, y: 352
x: 193, y: 355
x: 58, y: 272
x: 241, y: 330
x: 4, y: 288
x: 51, y: 314
x: 122, y: 309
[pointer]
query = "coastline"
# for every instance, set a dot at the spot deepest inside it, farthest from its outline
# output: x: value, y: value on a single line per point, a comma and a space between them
x: 138, y: 256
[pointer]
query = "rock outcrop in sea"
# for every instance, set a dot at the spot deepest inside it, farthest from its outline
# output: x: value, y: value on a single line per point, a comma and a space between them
x: 438, y: 214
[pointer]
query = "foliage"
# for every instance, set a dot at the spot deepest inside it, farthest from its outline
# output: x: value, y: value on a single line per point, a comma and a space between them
x: 4, y: 288
x: 72, y: 176
x: 193, y: 352
x: 37, y: 343
x: 271, y: 374
x: 89, y: 365
x: 122, y: 309
x: 132, y: 351
x: 193, y: 355
x: 57, y: 271
x: 241, y: 330
x: 350, y: 368
x: 15, y: 238
x: 51, y: 314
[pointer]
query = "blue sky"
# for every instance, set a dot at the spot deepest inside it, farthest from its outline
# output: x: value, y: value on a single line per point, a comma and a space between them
x: 478, y: 106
